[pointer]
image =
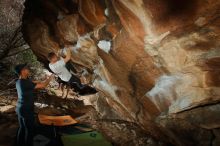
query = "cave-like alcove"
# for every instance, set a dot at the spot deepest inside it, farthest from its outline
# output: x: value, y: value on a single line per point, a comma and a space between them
x: 154, y: 65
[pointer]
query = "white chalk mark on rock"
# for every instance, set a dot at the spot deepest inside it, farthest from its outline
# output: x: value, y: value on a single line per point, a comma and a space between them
x: 105, y: 45
x: 200, y: 21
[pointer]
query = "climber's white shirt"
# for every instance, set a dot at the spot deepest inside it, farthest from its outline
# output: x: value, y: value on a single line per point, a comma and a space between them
x: 60, y: 69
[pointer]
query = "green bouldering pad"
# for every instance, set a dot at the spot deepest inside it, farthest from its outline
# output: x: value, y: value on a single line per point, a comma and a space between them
x: 85, y: 139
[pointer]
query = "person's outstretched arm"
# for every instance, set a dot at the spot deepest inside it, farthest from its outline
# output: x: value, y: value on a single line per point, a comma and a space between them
x: 68, y: 55
x: 42, y: 85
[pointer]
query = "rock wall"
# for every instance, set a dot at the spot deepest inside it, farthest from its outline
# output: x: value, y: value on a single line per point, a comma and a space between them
x: 10, y: 35
x: 149, y: 59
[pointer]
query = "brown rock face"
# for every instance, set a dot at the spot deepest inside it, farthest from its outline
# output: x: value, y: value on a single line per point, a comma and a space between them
x: 163, y: 59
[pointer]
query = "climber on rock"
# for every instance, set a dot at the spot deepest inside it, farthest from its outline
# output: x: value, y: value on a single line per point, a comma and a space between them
x: 25, y: 104
x: 58, y: 66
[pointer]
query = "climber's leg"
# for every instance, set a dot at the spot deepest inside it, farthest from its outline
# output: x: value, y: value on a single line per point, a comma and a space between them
x: 67, y: 91
x: 76, y: 80
x: 75, y: 83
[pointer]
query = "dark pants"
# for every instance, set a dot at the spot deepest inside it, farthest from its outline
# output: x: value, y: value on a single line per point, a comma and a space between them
x: 25, y: 131
x: 76, y: 84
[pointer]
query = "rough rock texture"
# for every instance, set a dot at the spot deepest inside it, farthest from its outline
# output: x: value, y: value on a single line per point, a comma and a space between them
x: 10, y: 34
x: 164, y: 58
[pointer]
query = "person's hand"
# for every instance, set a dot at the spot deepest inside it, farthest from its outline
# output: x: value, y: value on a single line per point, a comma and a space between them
x: 68, y: 49
x: 42, y: 85
x: 51, y: 77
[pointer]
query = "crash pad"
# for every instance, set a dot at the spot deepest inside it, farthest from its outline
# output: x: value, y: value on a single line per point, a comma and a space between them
x: 93, y: 138
x: 56, y: 120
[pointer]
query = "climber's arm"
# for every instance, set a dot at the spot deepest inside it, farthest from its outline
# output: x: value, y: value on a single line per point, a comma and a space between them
x: 68, y: 55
